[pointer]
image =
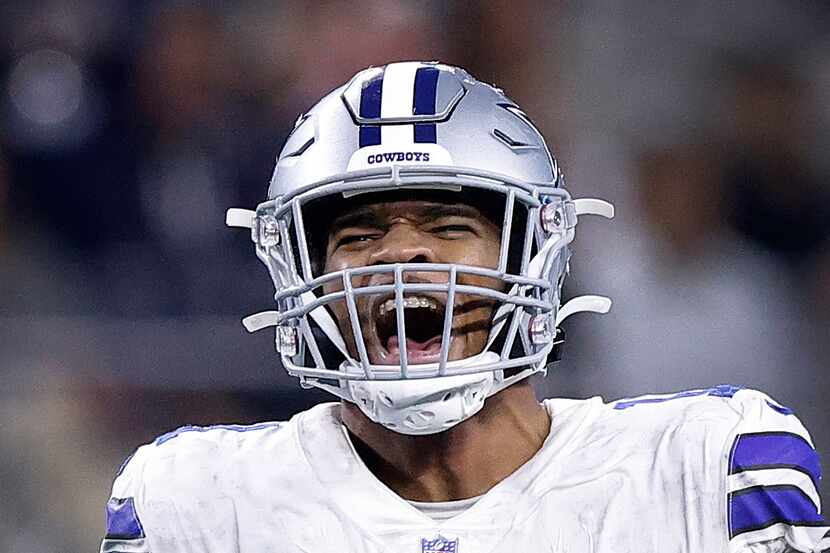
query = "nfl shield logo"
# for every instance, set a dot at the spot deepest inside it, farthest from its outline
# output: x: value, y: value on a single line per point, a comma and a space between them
x: 439, y: 545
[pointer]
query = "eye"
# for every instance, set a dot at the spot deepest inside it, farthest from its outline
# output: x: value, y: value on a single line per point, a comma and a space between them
x: 457, y: 230
x: 354, y: 239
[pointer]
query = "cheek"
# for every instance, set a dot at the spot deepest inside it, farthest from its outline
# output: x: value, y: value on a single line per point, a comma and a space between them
x: 478, y: 252
x: 335, y: 262
x: 338, y: 262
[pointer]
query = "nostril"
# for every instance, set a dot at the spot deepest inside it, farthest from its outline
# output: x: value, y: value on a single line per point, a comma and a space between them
x: 387, y: 259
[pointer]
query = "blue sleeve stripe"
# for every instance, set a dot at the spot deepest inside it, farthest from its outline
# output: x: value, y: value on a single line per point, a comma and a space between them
x: 122, y: 520
x: 760, y: 507
x: 767, y: 450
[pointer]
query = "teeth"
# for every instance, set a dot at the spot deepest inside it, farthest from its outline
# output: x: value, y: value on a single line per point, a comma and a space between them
x: 409, y: 302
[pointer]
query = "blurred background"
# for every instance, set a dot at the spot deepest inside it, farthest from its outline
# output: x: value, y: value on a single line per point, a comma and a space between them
x: 127, y: 128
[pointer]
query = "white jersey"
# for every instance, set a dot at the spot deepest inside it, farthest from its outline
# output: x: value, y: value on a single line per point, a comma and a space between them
x: 707, y: 471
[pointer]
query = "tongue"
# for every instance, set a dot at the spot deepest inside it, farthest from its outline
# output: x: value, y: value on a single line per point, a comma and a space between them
x: 431, y: 346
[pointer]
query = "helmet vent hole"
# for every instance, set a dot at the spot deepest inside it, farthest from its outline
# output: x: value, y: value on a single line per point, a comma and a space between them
x: 385, y: 399
x: 301, y: 150
x: 448, y: 396
x: 510, y: 142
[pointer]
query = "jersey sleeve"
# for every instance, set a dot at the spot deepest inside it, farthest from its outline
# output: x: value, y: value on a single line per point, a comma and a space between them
x: 125, y: 530
x: 772, y: 480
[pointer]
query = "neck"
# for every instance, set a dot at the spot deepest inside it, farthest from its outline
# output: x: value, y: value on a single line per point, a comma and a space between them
x: 464, y: 461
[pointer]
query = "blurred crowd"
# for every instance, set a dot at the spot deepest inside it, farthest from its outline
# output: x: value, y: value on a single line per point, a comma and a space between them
x: 126, y: 130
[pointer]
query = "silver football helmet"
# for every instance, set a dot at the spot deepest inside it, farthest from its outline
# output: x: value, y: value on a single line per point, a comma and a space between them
x: 422, y: 128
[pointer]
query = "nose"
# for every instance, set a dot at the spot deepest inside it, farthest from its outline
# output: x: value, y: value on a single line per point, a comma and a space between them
x: 403, y: 243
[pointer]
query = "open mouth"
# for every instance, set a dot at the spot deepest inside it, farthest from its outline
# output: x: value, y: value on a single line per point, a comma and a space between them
x: 424, y: 320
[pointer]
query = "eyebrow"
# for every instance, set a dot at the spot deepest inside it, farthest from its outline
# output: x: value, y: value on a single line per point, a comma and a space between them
x: 367, y: 217
x: 437, y: 211
x: 363, y: 217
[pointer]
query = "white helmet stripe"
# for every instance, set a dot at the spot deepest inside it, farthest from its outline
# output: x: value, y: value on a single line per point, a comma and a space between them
x: 396, y: 101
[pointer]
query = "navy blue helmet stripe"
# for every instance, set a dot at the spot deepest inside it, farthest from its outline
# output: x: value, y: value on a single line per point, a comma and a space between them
x: 760, y: 507
x: 370, y: 97
x: 765, y: 450
x: 423, y: 103
x: 369, y: 135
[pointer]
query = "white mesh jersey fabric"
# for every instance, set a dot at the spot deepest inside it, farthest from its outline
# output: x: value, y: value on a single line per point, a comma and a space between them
x: 653, y: 474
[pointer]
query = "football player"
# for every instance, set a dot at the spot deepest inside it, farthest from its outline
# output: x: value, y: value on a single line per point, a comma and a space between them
x: 417, y: 231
